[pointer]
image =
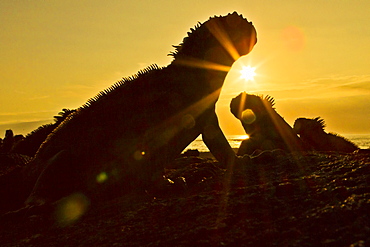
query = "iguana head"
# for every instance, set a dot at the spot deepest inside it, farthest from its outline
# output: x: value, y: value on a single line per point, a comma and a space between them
x: 249, y: 107
x: 307, y: 125
x: 221, y: 39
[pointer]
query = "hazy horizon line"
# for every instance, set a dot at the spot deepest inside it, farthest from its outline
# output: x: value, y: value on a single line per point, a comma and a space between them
x: 26, y: 127
x: 23, y: 127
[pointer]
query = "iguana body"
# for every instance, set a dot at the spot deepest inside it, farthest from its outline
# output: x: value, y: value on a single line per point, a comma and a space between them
x: 312, y: 132
x: 125, y: 135
x: 267, y: 130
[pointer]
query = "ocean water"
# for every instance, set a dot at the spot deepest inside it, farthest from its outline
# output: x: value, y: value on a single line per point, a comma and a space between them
x: 361, y: 140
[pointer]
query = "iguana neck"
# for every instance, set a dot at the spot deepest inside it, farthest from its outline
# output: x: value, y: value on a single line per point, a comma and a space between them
x: 211, y: 67
x: 215, y: 58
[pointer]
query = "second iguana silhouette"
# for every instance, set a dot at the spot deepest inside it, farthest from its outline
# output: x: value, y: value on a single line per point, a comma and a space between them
x: 266, y: 129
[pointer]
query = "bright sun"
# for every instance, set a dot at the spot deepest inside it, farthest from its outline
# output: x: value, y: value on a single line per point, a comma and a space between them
x: 247, y: 73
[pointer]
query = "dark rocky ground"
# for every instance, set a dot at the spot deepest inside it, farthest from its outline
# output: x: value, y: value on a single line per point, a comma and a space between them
x: 316, y: 199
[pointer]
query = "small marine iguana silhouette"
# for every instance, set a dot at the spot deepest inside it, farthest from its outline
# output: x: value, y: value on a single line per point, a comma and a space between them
x: 312, y: 132
x: 31, y: 143
x: 266, y: 129
x: 123, y: 137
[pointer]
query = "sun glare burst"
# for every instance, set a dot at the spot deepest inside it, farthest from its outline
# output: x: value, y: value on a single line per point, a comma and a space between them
x: 247, y: 73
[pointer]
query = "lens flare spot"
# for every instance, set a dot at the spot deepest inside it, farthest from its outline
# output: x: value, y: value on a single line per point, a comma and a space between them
x: 102, y: 177
x: 294, y: 38
x: 139, y: 155
x: 71, y: 208
x: 248, y: 116
x: 188, y: 121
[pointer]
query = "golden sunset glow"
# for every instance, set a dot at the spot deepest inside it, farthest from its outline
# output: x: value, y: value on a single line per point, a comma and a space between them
x: 247, y: 73
x: 310, y: 56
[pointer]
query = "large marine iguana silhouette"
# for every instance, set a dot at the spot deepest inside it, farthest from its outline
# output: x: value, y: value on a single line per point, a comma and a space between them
x: 123, y: 137
x: 312, y: 132
x: 266, y: 129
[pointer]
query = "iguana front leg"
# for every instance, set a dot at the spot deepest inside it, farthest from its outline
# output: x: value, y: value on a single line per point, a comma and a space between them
x: 216, y: 141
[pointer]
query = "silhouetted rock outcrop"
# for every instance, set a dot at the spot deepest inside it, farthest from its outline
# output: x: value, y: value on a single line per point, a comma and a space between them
x: 8, y: 142
x: 121, y: 139
x: 266, y: 129
x: 317, y: 199
x: 312, y: 132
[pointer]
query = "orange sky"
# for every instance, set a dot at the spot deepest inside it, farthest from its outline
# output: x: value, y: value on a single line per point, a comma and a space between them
x: 312, y: 57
